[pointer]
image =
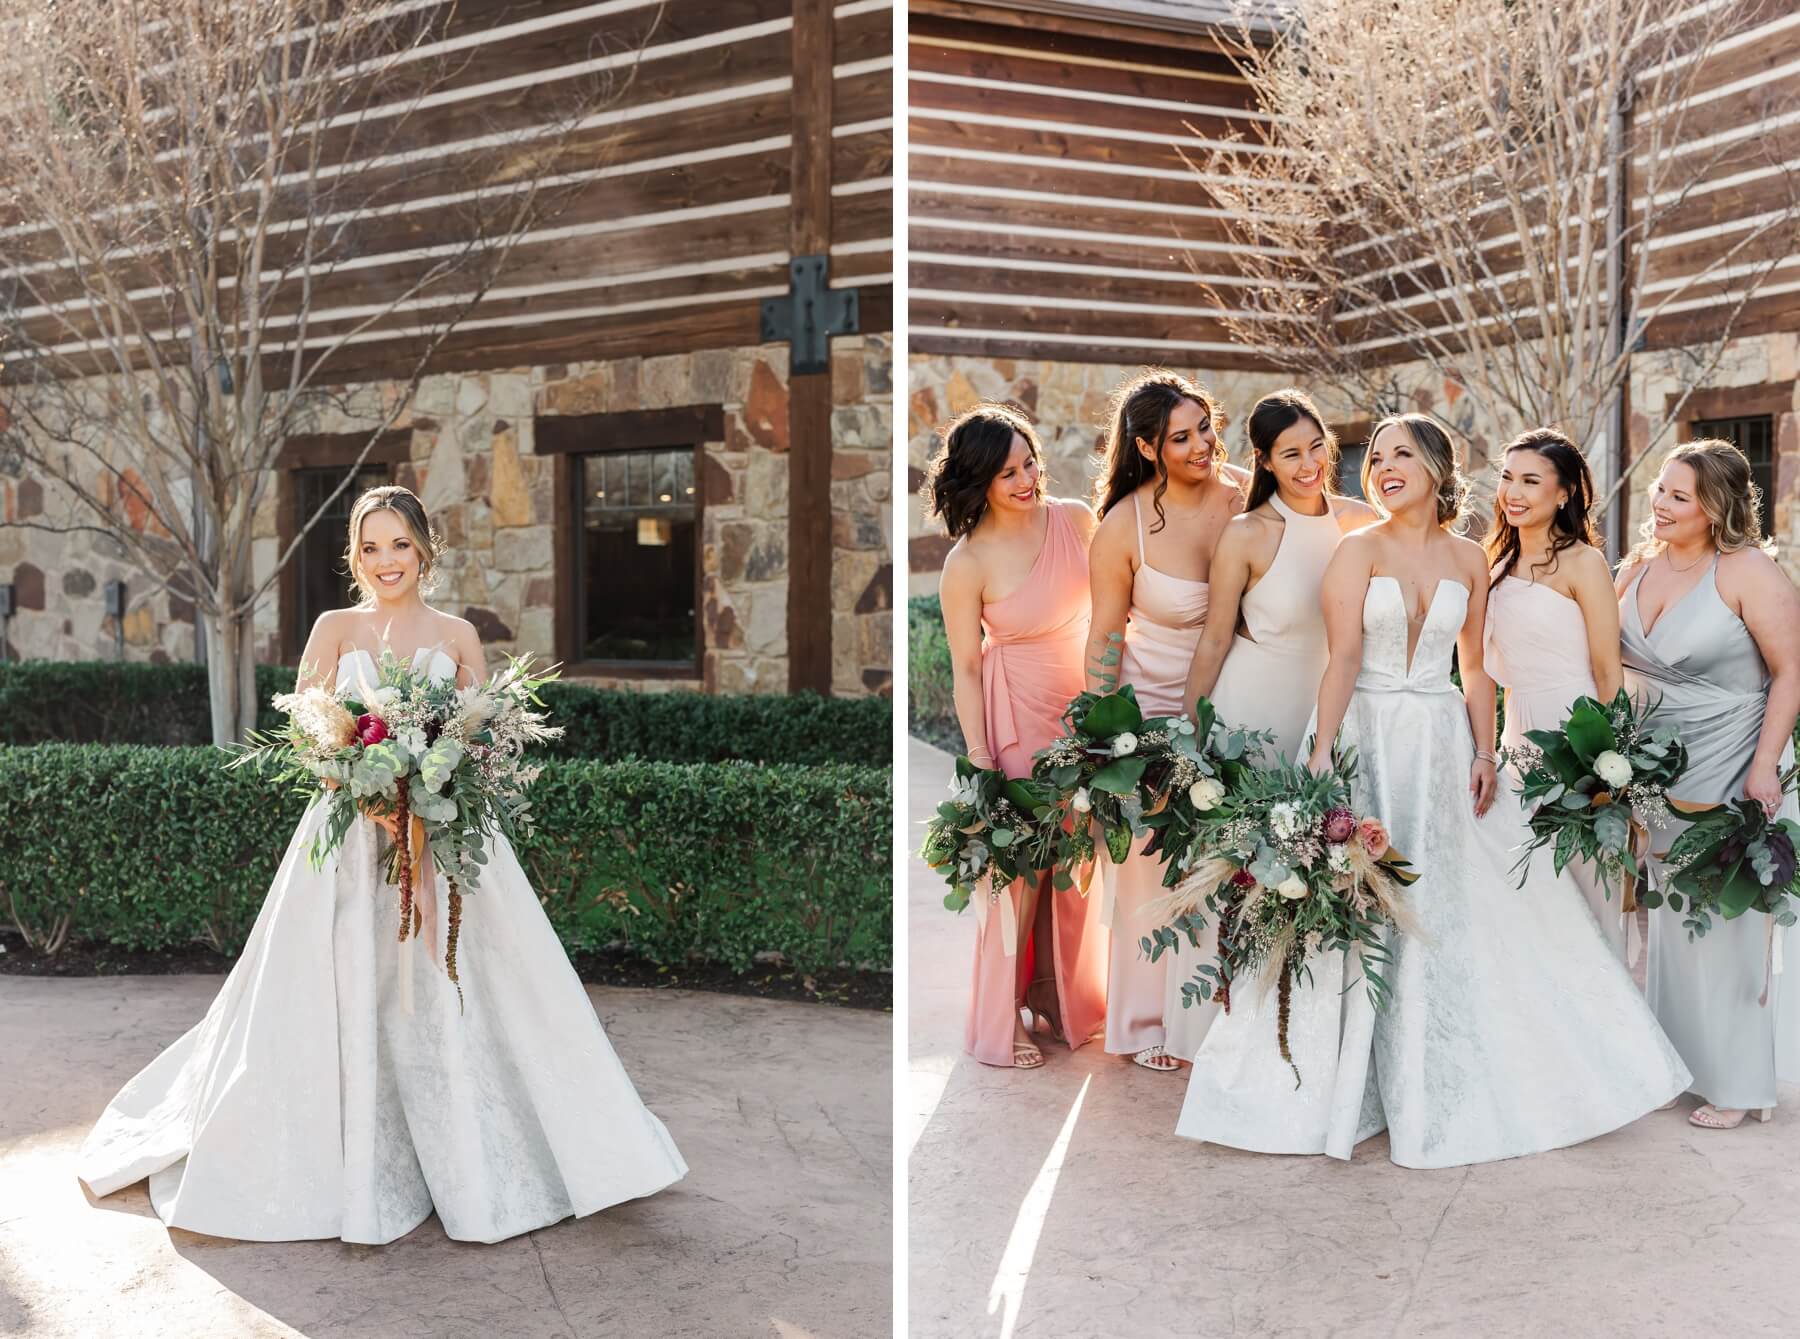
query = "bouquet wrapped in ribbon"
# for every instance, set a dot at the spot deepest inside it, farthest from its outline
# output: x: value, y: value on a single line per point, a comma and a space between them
x: 1729, y: 859
x: 1289, y: 870
x: 1591, y: 784
x: 991, y: 828
x: 444, y: 765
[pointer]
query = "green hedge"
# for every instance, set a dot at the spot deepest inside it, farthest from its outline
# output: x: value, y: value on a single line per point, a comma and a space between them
x: 98, y: 701
x: 147, y: 848
x: 930, y: 696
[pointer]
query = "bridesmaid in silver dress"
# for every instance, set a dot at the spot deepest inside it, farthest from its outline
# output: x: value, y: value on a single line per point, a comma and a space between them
x: 1711, y: 627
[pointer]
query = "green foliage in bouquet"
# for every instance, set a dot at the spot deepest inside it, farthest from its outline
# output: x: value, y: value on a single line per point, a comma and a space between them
x: 1288, y: 871
x: 1730, y: 859
x: 990, y: 825
x: 1587, y: 781
x: 1112, y: 766
x: 1220, y: 756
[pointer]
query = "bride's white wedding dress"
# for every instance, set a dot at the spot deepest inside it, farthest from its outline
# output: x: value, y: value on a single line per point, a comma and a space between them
x: 311, y: 1102
x: 1512, y: 1028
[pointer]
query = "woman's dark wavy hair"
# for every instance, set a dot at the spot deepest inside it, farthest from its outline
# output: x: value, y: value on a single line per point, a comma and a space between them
x: 1273, y: 415
x: 1571, y: 525
x: 1140, y: 411
x: 976, y: 446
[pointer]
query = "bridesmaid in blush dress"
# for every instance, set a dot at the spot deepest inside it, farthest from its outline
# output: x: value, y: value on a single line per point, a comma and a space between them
x: 1712, y: 629
x: 1164, y: 496
x: 1015, y: 600
x: 1263, y: 650
x: 1553, y: 621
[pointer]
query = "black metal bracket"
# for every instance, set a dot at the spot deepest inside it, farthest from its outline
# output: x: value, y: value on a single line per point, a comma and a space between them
x: 809, y: 314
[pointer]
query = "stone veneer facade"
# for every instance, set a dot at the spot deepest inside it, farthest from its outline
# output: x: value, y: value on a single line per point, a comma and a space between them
x: 474, y: 465
x: 1069, y: 401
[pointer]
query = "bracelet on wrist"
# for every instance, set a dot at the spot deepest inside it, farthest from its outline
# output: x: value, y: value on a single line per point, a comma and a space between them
x: 1487, y: 755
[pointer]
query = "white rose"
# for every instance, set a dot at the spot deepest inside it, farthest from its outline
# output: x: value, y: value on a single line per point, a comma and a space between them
x: 1338, y: 857
x: 1205, y: 793
x: 1612, y: 769
x: 1284, y: 819
x: 1293, y: 888
x: 1125, y: 743
x: 1082, y: 801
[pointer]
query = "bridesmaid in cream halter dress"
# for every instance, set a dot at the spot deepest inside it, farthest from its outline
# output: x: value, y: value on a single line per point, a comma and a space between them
x: 1163, y: 457
x: 1263, y: 651
x: 1552, y: 630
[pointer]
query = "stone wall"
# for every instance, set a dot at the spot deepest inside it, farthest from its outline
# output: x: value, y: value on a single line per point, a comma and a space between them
x: 1068, y: 402
x: 474, y: 464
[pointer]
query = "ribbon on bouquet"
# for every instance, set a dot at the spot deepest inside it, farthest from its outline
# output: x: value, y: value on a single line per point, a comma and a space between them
x: 1773, y: 965
x: 416, y: 876
x: 987, y: 896
x: 1638, y: 839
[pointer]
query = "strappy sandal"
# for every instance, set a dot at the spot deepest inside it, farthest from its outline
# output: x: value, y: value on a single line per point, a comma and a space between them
x: 1709, y: 1117
x: 1026, y: 1056
x: 1156, y: 1058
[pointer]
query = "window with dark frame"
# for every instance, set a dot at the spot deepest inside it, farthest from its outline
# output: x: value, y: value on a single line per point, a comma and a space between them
x: 637, y: 557
x: 321, y: 582
x: 1754, y: 435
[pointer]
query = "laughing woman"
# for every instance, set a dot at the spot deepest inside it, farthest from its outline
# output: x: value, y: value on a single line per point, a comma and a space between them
x: 1263, y: 651
x: 1712, y: 632
x: 1553, y: 619
x: 1015, y: 600
x: 1164, y: 498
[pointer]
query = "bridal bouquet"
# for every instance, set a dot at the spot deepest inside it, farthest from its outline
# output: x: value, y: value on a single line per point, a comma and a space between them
x: 446, y: 764
x: 991, y: 827
x: 1590, y: 784
x: 1732, y: 858
x: 1291, y: 870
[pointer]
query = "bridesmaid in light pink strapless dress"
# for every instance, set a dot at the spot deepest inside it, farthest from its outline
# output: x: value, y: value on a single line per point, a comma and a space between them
x: 1161, y: 632
x: 1536, y: 647
x: 1031, y: 666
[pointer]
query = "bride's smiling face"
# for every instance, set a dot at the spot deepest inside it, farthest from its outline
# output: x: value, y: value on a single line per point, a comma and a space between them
x: 387, y: 556
x: 1398, y: 475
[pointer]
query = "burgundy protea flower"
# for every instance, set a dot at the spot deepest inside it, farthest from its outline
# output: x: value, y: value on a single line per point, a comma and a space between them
x: 370, y: 730
x: 1243, y: 879
x: 1339, y: 824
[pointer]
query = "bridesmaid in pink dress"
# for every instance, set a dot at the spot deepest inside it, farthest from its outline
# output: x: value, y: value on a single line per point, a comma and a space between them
x: 1164, y: 497
x: 1552, y: 632
x: 1015, y: 599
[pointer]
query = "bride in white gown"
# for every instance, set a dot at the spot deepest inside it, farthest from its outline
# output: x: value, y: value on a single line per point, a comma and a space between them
x: 334, y: 1088
x: 1512, y: 1027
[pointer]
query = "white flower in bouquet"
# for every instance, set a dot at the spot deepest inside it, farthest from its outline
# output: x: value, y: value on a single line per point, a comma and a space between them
x: 1124, y: 744
x: 1284, y: 820
x: 1614, y: 770
x: 964, y: 790
x: 1337, y: 856
x: 1082, y: 801
x: 1293, y: 888
x: 1205, y: 793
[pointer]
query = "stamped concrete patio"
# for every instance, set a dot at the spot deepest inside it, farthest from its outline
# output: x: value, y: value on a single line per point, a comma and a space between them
x: 1059, y: 1203
x: 782, y: 1226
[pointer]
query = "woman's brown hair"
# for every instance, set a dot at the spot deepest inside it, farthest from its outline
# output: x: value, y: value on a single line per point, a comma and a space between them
x: 1726, y: 491
x: 1140, y: 412
x: 977, y: 445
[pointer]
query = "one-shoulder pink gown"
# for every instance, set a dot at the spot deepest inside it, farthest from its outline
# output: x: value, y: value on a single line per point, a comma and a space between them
x: 1031, y: 666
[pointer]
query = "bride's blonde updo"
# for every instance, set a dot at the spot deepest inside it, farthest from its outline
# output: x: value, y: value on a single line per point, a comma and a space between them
x: 404, y: 503
x: 1440, y: 462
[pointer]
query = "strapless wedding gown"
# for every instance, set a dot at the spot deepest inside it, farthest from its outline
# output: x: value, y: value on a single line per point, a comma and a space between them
x: 313, y: 1100
x: 1512, y: 1028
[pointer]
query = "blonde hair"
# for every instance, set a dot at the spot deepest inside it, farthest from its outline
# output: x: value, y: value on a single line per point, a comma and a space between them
x: 404, y: 503
x: 1726, y: 491
x: 1439, y: 456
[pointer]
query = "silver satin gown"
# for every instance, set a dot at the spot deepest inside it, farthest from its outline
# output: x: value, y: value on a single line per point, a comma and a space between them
x: 1701, y: 662
x: 1513, y: 1028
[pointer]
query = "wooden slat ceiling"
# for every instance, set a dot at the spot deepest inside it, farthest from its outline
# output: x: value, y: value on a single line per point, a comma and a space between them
x: 684, y: 226
x: 1051, y: 211
x: 1053, y: 214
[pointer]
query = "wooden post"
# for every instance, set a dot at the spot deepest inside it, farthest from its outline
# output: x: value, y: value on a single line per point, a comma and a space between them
x: 809, y: 396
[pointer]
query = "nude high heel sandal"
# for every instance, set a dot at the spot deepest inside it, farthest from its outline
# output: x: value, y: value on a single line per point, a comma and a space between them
x: 1708, y: 1117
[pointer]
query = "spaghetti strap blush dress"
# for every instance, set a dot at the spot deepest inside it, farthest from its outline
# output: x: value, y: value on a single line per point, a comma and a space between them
x: 1699, y: 661
x: 1241, y: 1092
x: 1162, y: 629
x: 1535, y: 646
x: 1033, y: 648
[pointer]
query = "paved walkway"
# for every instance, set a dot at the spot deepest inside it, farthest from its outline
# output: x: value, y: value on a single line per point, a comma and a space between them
x: 782, y: 1226
x: 1059, y: 1203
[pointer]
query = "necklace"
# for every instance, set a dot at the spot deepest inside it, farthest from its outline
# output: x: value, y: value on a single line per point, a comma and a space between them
x: 1690, y: 567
